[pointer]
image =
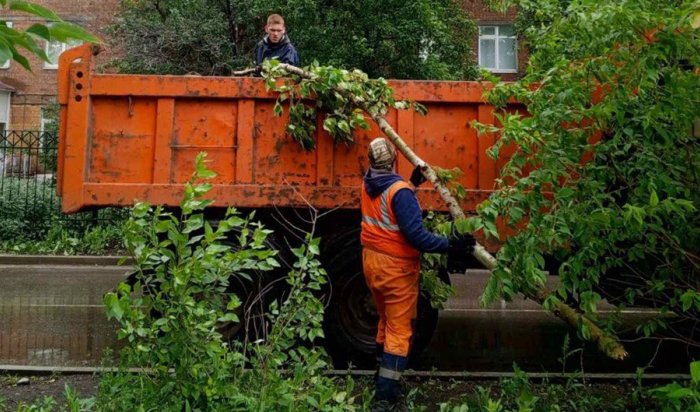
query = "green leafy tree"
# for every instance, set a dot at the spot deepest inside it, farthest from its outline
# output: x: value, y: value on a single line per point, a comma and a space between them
x: 15, y: 44
x: 421, y: 39
x: 173, y: 314
x: 604, y: 180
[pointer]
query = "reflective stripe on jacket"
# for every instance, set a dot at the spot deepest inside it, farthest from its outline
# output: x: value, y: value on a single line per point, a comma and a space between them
x: 380, y: 230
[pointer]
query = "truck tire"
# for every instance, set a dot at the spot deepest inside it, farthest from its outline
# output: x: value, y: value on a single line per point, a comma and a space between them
x: 350, y: 322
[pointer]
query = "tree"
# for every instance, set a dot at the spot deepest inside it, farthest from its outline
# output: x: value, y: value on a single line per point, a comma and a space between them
x: 55, y: 30
x: 605, y: 175
x: 421, y: 39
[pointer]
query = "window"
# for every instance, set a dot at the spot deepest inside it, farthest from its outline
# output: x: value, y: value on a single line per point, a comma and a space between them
x: 54, y: 50
x: 6, y: 65
x: 4, y: 110
x: 48, y: 121
x: 498, y: 49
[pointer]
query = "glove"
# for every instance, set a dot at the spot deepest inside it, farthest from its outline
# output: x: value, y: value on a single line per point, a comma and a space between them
x: 417, y: 177
x: 461, y: 244
x: 459, y: 252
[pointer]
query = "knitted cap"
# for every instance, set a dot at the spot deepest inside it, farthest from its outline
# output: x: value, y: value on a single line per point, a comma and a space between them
x: 381, y: 154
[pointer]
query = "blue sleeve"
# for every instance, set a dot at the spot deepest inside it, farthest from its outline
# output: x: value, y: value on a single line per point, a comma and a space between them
x: 297, y: 61
x: 410, y: 220
x: 290, y: 56
x: 258, y: 54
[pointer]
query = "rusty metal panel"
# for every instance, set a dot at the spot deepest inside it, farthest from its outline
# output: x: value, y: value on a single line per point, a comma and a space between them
x: 278, y: 158
x: 129, y: 137
x: 204, y: 125
x: 445, y: 138
x: 122, y: 140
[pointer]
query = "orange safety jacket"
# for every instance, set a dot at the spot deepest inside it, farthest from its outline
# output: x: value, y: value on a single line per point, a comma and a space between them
x: 380, y: 230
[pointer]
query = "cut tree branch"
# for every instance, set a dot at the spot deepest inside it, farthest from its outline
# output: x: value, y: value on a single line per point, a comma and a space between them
x: 608, y: 344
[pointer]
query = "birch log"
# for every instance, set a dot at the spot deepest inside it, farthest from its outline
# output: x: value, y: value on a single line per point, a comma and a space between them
x: 607, y: 343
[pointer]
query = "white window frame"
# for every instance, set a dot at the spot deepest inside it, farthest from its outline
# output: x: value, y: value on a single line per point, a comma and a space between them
x: 8, y: 113
x: 496, y: 37
x: 43, y: 122
x: 6, y: 65
x: 64, y: 47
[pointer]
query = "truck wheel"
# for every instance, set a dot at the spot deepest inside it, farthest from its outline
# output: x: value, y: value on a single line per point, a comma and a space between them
x: 350, y: 323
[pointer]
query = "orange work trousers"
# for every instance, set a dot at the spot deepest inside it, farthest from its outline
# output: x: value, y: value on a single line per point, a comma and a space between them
x: 393, y: 282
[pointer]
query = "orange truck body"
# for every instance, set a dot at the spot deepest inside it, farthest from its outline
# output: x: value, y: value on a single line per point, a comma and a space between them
x: 125, y: 138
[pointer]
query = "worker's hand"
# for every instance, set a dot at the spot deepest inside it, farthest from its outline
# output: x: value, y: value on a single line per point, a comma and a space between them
x: 459, y: 257
x: 417, y: 177
x: 461, y: 245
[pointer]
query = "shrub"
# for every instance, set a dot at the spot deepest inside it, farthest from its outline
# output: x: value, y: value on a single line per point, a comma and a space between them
x: 171, y: 318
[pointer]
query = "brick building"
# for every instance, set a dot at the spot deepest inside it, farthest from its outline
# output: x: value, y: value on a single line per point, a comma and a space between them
x: 23, y: 95
x: 496, y: 47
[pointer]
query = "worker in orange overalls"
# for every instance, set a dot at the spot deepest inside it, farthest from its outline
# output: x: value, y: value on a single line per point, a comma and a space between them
x: 393, y: 237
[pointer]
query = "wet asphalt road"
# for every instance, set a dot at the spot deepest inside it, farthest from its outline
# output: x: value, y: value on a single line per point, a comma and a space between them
x: 52, y: 315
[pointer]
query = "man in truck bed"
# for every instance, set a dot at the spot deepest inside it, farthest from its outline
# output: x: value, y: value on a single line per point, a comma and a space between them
x: 393, y: 237
x: 276, y: 43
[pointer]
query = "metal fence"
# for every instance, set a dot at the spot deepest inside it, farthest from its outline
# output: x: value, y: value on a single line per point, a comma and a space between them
x: 28, y: 177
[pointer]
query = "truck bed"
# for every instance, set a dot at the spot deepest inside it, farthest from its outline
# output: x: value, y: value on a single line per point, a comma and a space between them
x: 134, y: 137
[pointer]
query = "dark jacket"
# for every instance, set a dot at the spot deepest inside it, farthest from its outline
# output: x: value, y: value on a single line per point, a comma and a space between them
x: 284, y: 51
x: 407, y: 211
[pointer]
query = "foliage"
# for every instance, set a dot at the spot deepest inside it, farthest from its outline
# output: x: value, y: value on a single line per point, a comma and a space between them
x: 31, y: 222
x: 27, y: 209
x: 64, y: 239
x: 604, y: 176
x: 173, y: 328
x: 432, y: 263
x: 422, y: 39
x: 55, y: 30
x: 52, y: 114
x: 678, y: 397
x: 342, y: 116
x: 574, y: 394
x: 183, y: 36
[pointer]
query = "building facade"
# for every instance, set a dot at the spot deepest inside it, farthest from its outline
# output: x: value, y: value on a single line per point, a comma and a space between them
x: 25, y: 95
x: 496, y: 47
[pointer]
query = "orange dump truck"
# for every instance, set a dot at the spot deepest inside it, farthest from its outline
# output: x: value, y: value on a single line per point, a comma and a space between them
x: 134, y: 137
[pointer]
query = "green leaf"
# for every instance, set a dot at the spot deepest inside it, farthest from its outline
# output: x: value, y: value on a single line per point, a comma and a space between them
x: 653, y: 198
x: 21, y: 60
x: 5, y: 52
x: 565, y: 194
x: 695, y: 19
x: 34, y: 9
x: 63, y: 32
x: 695, y: 371
x: 40, y: 30
x: 277, y: 110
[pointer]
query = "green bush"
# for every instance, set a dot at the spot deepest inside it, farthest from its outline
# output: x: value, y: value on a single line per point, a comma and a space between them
x: 425, y: 39
x: 27, y: 208
x: 171, y: 317
x: 31, y: 222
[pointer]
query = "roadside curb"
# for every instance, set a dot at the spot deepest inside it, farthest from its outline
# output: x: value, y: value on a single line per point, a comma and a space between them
x: 48, y: 260
x: 25, y: 370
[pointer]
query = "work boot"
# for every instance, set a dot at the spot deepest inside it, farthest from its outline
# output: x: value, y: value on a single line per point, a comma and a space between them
x: 378, y: 353
x: 381, y: 406
x: 388, y: 395
x: 386, y: 406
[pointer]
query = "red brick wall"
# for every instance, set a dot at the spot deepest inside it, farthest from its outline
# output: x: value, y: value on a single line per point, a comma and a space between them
x: 484, y: 16
x: 38, y: 88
